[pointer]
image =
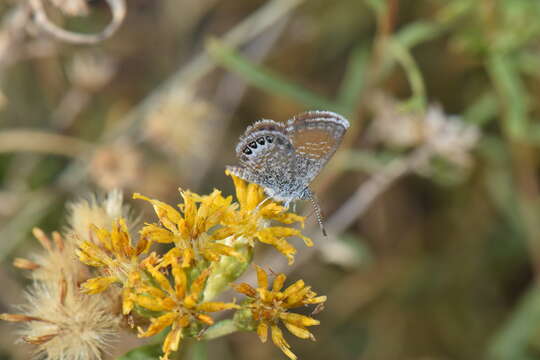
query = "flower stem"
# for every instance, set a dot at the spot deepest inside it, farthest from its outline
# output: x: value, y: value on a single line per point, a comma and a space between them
x: 222, y: 328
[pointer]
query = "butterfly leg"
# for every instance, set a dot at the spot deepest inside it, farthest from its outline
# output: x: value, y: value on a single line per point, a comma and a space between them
x: 310, y: 195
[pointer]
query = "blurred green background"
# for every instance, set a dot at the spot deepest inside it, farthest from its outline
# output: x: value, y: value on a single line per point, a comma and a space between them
x: 441, y: 263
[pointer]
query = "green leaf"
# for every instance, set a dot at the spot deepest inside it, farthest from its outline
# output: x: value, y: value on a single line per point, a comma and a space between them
x: 513, y: 341
x: 511, y: 90
x: 265, y: 79
x: 417, y: 33
x: 353, y: 80
x: 145, y: 352
x: 484, y: 109
x: 379, y: 6
x: 403, y: 56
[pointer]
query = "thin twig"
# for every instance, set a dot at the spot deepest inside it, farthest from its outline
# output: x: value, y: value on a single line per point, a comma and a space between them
x: 42, y: 142
x: 363, y: 198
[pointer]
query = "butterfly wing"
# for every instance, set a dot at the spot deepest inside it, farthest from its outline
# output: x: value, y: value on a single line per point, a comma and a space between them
x: 265, y: 153
x: 315, y: 136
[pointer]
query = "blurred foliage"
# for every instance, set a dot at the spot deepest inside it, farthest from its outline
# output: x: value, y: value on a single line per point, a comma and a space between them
x: 451, y: 258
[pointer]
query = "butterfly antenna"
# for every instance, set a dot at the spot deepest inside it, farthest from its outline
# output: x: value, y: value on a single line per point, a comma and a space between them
x: 318, y: 212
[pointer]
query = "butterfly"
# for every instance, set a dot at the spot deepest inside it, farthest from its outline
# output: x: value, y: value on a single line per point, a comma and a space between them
x: 284, y: 158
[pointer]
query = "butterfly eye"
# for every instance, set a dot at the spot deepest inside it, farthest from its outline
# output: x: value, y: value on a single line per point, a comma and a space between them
x: 247, y: 151
x: 260, y: 141
x: 253, y: 145
x: 269, y: 139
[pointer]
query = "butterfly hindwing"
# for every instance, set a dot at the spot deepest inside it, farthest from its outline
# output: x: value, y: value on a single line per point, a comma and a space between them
x: 315, y: 136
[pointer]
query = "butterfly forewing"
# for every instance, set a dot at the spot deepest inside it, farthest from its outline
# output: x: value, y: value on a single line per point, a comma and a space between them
x: 315, y: 136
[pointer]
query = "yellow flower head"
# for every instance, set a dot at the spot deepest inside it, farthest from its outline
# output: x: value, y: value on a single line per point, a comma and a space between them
x: 252, y: 221
x: 190, y: 229
x: 269, y: 307
x: 115, y: 256
x: 178, y: 303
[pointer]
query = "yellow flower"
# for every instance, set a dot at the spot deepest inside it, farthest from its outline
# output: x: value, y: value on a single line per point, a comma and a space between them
x: 269, y: 307
x: 116, y: 257
x: 252, y: 221
x: 190, y: 229
x: 179, y: 307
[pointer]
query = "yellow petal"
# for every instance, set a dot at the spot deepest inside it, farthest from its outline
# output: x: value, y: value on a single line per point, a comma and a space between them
x: 120, y: 241
x: 168, y: 216
x: 127, y: 302
x: 98, y: 284
x: 254, y: 196
x: 297, y: 298
x: 103, y: 236
x: 297, y: 319
x: 155, y: 233
x: 216, y: 306
x: 315, y: 300
x: 299, y: 331
x: 226, y: 250
x: 172, y: 341
x: 161, y: 279
x: 88, y: 259
x: 240, y: 188
x: 262, y: 278
x: 145, y: 289
x: 184, y: 321
x: 187, y: 257
x: 262, y: 331
x: 205, y: 319
x: 298, y: 285
x: 170, y: 257
x: 279, y: 340
x: 198, y: 284
x: 245, y: 289
x: 180, y: 280
x: 148, y: 302
x: 195, y: 290
x: 190, y: 212
x: 278, y: 282
x: 210, y: 255
x: 265, y: 295
x: 158, y: 324
x: 92, y: 255
x: 267, y: 236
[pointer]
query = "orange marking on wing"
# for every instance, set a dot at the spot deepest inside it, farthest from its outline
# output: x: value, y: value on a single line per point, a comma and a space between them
x: 313, y: 143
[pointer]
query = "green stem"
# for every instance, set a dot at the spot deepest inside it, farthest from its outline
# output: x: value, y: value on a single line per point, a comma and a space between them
x: 404, y: 57
x: 222, y: 328
x: 265, y: 79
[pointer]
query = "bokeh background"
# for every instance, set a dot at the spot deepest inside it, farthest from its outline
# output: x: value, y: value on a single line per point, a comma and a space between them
x: 432, y: 202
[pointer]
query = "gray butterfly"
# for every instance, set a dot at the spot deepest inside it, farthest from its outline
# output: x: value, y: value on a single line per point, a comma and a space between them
x: 284, y: 158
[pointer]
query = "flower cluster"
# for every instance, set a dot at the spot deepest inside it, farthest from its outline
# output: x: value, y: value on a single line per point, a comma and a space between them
x: 448, y: 137
x: 268, y: 308
x: 209, y: 241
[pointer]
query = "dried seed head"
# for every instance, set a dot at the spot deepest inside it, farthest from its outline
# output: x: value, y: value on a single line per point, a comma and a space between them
x: 56, y: 262
x: 95, y: 211
x: 116, y: 166
x: 65, y: 324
